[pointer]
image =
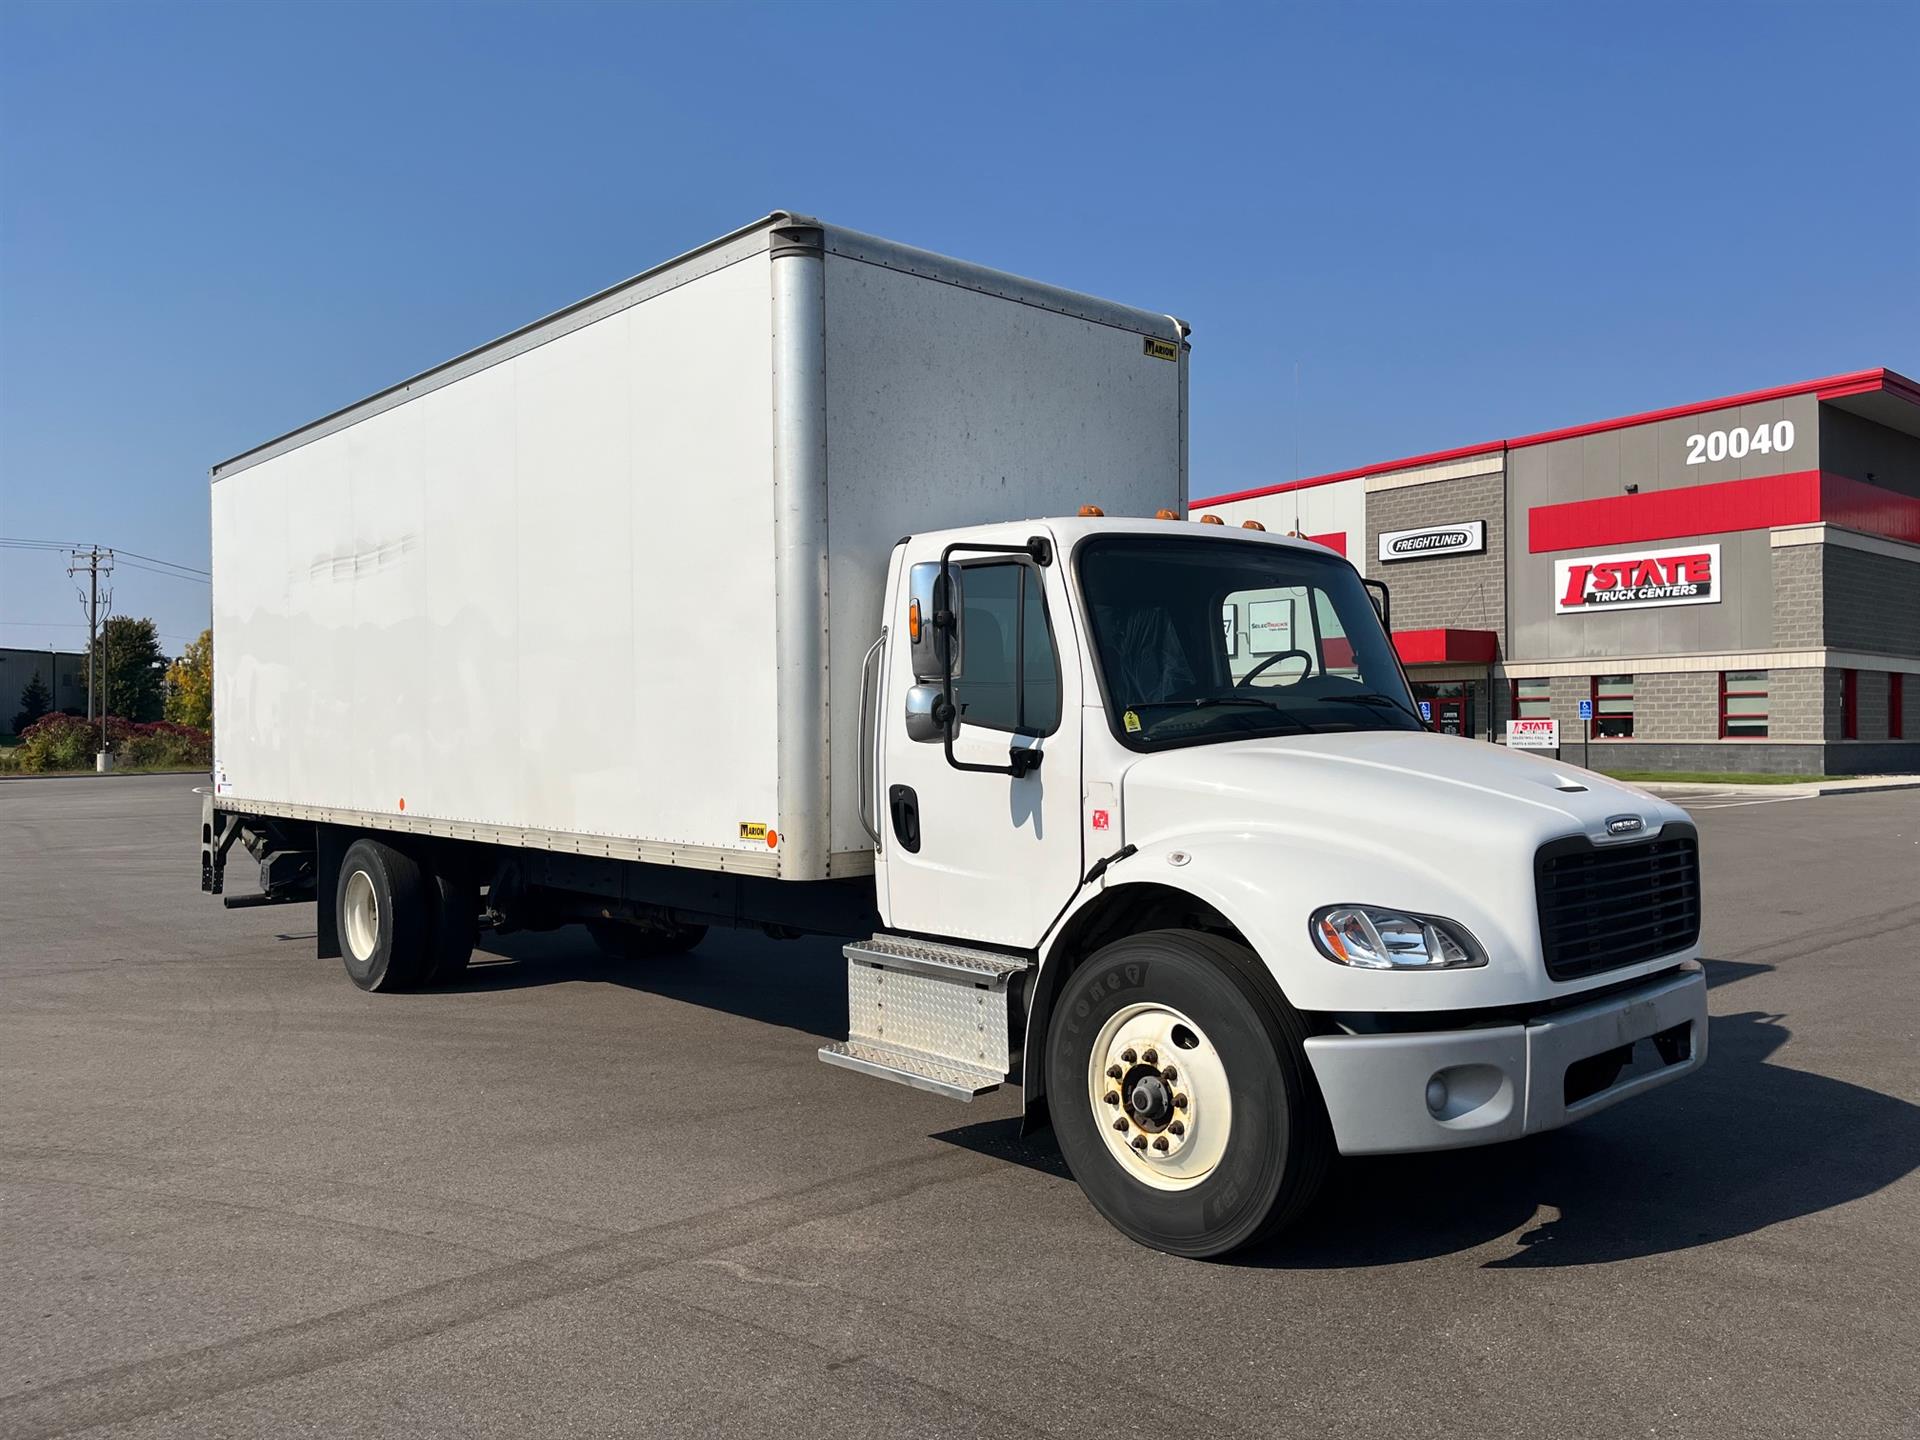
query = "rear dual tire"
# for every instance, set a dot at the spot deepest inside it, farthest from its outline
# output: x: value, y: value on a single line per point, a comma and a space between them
x: 400, y: 924
x: 1235, y: 1145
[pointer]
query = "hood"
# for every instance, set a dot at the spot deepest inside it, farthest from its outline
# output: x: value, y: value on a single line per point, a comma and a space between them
x: 1420, y: 785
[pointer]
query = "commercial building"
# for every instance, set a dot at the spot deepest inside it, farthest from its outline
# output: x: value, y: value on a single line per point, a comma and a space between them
x: 63, y: 671
x: 1732, y: 585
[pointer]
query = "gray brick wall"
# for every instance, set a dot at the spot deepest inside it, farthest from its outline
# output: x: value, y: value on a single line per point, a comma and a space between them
x: 1873, y: 705
x: 1676, y: 707
x: 1462, y: 592
x: 1872, y: 601
x: 1799, y: 706
x: 1799, y: 621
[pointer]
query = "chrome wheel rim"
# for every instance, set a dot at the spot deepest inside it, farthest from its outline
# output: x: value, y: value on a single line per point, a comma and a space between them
x: 1159, y: 1096
x: 362, y: 915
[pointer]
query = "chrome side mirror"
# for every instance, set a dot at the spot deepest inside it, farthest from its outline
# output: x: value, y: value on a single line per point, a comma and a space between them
x: 927, y: 598
x: 924, y: 709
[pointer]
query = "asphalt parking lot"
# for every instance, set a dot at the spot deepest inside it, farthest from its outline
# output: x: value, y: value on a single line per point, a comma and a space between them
x: 239, y: 1197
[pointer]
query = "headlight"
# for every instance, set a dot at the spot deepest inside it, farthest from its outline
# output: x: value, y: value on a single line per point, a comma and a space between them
x: 1370, y: 939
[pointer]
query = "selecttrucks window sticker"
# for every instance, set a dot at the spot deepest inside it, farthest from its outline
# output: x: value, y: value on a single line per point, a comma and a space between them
x: 1637, y: 580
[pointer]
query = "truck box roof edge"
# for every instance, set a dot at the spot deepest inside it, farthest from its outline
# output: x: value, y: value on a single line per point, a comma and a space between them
x: 724, y: 250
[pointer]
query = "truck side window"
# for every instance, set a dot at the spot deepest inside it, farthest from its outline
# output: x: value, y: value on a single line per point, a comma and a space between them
x: 1009, y: 674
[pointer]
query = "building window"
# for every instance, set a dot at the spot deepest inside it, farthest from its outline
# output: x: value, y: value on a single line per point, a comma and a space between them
x: 1743, y: 704
x: 1896, y: 706
x: 1849, y: 704
x: 1613, y: 707
x: 1533, y: 699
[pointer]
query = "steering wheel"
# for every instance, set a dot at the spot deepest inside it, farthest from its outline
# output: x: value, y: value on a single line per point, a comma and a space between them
x: 1272, y: 660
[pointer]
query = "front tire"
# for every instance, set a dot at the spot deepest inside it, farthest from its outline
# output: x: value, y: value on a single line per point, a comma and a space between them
x: 380, y: 906
x: 1183, y: 1039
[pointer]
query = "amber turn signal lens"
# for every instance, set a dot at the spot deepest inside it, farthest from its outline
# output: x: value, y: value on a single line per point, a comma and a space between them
x: 1091, y: 512
x: 1211, y: 520
x: 913, y: 621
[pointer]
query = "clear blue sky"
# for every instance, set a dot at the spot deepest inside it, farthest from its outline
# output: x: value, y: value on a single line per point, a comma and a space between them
x: 1455, y: 221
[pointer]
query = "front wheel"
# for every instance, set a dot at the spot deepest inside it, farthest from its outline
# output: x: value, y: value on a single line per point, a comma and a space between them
x: 1180, y: 1092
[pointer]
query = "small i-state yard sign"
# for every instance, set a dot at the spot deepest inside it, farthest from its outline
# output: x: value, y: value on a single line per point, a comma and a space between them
x: 1533, y: 734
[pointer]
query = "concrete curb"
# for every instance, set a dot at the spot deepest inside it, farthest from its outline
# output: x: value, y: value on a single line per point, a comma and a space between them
x: 1866, y: 785
x: 1891, y: 782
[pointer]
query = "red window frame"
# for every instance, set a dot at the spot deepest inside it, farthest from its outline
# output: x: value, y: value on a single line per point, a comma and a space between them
x: 1593, y: 694
x: 1514, y: 711
x: 1896, y: 706
x: 1849, y: 704
x: 1766, y: 694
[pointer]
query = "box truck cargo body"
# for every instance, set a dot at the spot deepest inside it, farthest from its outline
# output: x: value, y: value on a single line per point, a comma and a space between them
x: 605, y: 584
x: 709, y: 601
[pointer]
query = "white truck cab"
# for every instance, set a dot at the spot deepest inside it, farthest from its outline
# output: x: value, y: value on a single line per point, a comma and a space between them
x: 1154, y: 796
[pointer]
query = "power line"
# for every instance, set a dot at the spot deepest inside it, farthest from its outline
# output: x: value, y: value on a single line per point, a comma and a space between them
x: 170, y: 574
x: 19, y: 543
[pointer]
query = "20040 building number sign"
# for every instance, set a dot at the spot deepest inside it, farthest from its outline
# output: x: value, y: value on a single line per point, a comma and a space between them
x: 1717, y: 445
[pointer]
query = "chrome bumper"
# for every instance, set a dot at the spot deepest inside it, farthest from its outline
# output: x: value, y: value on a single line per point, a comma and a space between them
x: 1437, y: 1090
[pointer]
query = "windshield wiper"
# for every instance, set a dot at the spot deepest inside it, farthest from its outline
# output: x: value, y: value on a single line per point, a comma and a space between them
x: 1374, y: 698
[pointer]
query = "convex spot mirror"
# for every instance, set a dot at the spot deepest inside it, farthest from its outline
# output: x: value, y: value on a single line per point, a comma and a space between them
x: 923, y: 714
x: 928, y: 597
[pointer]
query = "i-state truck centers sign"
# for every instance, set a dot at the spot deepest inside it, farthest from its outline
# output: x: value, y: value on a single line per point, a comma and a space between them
x: 1637, y: 580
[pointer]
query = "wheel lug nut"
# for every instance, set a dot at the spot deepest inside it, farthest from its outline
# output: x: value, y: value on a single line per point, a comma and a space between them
x: 1160, y: 1144
x: 1169, y: 1074
x: 1114, y: 1072
x: 1139, y: 1142
x: 1152, y: 1057
x: 1177, y: 1128
x: 1128, y: 1056
x: 1113, y: 1097
x: 1120, y: 1123
x: 1179, y: 1102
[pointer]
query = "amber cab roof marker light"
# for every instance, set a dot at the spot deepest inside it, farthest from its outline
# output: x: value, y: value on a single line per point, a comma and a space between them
x: 1165, y: 514
x: 1252, y: 525
x: 1091, y: 512
x: 1211, y: 520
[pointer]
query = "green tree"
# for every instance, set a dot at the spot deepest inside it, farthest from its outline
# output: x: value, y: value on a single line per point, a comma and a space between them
x: 130, y: 659
x: 35, y: 701
x: 190, y: 685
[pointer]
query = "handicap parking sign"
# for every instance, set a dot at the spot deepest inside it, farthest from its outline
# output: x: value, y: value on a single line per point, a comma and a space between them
x: 1586, y: 709
x: 1426, y: 710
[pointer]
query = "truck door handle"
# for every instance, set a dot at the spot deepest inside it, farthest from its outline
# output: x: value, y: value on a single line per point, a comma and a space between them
x: 904, y: 806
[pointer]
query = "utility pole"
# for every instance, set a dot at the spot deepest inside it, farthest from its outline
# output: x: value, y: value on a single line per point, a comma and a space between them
x: 95, y: 562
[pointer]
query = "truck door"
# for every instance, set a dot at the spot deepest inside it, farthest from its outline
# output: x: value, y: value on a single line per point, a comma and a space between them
x: 969, y: 853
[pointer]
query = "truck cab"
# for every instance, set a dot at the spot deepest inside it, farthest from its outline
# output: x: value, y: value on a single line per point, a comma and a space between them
x: 1160, y: 832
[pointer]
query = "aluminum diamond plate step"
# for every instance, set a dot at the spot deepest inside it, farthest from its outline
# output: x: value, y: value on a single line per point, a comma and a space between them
x: 898, y: 952
x: 910, y: 1067
x: 928, y: 1015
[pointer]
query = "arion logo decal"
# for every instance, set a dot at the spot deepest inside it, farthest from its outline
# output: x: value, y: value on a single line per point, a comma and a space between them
x: 1466, y: 538
x: 1637, y: 580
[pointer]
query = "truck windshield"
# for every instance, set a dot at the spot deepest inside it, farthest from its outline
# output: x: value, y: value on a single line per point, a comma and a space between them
x: 1201, y: 640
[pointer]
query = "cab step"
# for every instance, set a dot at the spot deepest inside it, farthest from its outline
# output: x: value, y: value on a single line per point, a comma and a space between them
x: 929, y: 1015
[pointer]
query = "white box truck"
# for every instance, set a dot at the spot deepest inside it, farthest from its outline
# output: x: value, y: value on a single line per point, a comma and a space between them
x: 706, y: 601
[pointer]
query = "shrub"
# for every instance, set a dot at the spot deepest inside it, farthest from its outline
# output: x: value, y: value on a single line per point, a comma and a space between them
x: 66, y: 742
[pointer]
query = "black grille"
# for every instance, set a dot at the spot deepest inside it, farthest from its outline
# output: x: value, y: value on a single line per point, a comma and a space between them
x: 1605, y: 906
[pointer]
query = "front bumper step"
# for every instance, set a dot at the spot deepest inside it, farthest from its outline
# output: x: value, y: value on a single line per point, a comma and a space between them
x: 929, y: 1015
